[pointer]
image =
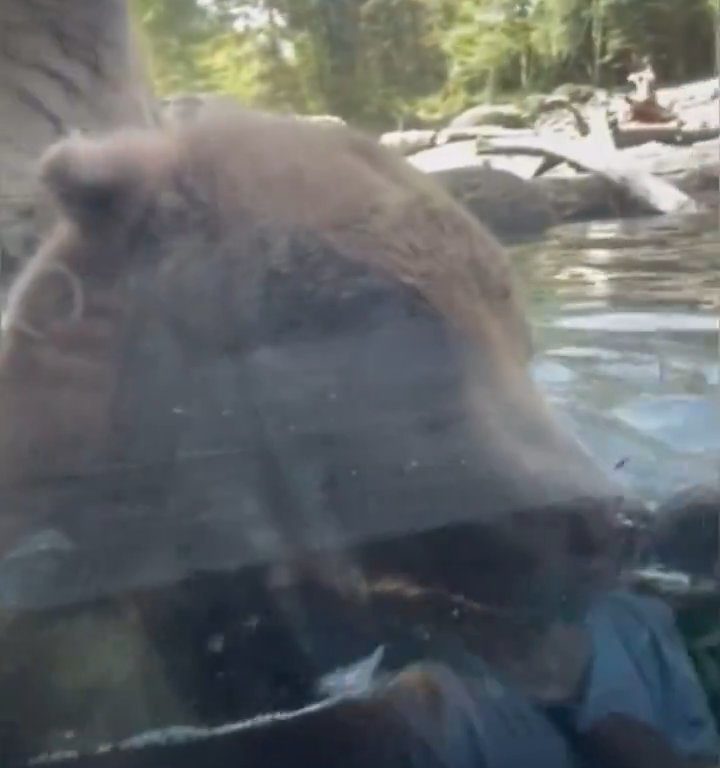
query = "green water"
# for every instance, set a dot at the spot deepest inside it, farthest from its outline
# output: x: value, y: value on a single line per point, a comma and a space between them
x: 626, y: 316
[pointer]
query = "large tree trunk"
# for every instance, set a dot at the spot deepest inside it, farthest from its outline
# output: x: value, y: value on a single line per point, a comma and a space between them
x: 64, y: 65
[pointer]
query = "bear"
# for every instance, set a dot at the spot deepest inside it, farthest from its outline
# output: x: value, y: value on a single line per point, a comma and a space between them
x: 256, y: 342
x: 256, y: 280
x: 328, y: 265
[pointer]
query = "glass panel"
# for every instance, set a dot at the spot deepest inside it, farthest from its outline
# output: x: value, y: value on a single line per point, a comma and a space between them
x: 359, y: 379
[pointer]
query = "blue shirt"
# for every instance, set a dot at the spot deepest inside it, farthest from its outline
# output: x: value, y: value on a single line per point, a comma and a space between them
x: 640, y: 668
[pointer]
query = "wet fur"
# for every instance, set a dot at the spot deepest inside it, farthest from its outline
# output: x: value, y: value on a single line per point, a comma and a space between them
x: 229, y: 198
x: 210, y: 216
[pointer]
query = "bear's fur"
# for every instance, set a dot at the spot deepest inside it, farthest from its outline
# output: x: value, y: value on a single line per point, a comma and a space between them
x: 245, y: 231
x: 269, y: 338
x: 220, y: 185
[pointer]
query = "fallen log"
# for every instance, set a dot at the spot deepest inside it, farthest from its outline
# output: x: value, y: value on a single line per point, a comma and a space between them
x: 482, y: 132
x: 662, y: 160
x: 634, y: 134
x: 596, y: 157
x: 516, y: 202
x: 412, y: 142
x: 588, y: 196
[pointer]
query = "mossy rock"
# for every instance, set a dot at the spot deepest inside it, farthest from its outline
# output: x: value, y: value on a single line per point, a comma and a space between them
x: 533, y: 104
x: 510, y: 207
x: 501, y: 115
x: 578, y: 93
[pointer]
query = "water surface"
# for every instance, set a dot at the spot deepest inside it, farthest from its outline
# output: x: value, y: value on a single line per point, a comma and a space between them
x: 626, y: 317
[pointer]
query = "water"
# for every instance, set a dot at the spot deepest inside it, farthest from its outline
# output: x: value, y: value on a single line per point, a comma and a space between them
x: 626, y: 316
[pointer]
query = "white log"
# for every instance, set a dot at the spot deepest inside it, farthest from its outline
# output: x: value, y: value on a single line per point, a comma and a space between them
x: 596, y: 156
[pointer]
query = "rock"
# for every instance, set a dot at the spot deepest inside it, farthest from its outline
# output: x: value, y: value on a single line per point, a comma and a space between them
x: 558, y: 112
x: 663, y: 160
x: 323, y: 119
x: 101, y: 659
x: 408, y: 142
x: 480, y: 133
x: 575, y: 92
x: 509, y: 206
x: 582, y: 197
x: 185, y: 107
x: 685, y: 531
x: 505, y: 115
x: 689, y: 94
x: 463, y: 154
x: 535, y: 103
x: 19, y: 230
x: 179, y: 109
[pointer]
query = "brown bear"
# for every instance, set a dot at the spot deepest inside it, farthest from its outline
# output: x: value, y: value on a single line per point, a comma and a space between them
x: 299, y: 303
x: 251, y: 340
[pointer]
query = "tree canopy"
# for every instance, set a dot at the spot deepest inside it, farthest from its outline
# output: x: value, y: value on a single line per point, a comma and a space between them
x: 382, y: 63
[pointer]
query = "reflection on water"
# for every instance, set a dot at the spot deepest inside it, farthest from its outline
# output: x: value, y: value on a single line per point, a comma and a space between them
x: 627, y: 330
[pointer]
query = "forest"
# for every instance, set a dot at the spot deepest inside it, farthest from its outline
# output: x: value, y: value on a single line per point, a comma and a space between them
x: 403, y: 63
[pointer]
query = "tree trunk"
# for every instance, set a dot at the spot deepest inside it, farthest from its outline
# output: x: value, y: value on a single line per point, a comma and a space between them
x: 524, y: 69
x: 64, y: 65
x: 597, y: 40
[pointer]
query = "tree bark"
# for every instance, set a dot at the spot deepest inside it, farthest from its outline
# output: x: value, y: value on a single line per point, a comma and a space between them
x: 64, y: 65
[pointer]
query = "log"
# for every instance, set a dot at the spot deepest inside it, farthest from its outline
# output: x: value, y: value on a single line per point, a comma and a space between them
x: 634, y: 134
x: 662, y: 160
x: 482, y: 132
x: 487, y: 191
x: 595, y: 157
x: 588, y: 196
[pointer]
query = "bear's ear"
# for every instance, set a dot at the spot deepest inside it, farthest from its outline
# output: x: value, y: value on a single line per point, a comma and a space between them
x: 99, y: 182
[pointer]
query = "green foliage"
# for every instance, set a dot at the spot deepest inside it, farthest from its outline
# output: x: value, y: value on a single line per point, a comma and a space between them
x: 401, y: 62
x: 176, y: 31
x: 379, y: 62
x: 679, y: 36
x: 219, y: 47
x: 484, y: 43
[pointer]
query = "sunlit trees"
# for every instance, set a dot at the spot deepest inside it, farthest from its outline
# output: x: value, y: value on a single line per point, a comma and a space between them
x: 378, y: 61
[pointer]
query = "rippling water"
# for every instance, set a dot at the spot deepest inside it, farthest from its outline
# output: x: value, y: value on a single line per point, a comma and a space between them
x: 626, y: 317
x: 627, y: 333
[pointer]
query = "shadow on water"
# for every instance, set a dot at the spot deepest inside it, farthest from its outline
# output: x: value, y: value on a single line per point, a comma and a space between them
x: 626, y: 318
